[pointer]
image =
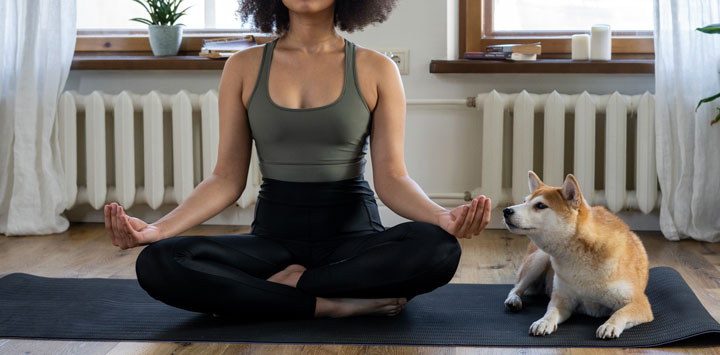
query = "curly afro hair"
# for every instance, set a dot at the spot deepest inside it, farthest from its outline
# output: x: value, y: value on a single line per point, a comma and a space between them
x: 350, y: 15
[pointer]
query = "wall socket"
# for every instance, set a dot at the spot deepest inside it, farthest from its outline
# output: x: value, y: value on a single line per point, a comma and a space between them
x: 401, y: 57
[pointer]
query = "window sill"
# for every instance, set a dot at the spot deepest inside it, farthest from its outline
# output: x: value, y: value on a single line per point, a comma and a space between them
x: 143, y: 61
x: 191, y: 61
x: 545, y: 66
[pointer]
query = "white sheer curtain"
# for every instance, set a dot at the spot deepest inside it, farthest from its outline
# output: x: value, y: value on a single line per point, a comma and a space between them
x: 37, y: 40
x: 687, y: 63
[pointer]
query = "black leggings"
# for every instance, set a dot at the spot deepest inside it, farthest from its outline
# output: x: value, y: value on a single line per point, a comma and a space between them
x: 331, y: 228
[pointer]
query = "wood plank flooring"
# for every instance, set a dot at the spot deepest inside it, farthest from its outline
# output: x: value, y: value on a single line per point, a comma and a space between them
x: 491, y: 257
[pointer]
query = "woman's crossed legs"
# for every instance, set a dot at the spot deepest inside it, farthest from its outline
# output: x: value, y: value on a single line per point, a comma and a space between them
x: 251, y: 276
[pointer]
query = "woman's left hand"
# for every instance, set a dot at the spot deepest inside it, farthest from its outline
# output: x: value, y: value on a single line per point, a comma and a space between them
x: 467, y: 220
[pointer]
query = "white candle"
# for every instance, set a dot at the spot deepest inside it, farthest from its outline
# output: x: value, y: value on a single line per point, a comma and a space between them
x: 581, y: 47
x: 600, y: 47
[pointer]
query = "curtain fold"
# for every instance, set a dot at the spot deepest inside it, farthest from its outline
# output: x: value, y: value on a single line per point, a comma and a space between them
x: 37, y: 41
x: 687, y: 63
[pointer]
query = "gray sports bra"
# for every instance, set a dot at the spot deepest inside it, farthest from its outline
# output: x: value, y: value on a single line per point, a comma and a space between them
x: 326, y: 143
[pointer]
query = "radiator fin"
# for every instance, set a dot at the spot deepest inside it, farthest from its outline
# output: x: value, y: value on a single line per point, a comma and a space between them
x: 124, y: 149
x: 616, y: 152
x: 584, y: 162
x: 523, y: 128
x: 95, y: 149
x: 492, y: 154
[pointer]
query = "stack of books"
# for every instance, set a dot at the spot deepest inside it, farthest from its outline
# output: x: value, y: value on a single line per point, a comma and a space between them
x: 225, y: 47
x: 515, y: 52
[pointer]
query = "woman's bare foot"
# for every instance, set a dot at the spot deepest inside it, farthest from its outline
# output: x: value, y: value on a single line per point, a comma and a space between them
x: 289, y: 276
x: 347, y: 307
x: 341, y: 307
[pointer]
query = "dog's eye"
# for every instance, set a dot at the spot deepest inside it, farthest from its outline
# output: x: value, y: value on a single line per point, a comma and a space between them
x: 540, y: 206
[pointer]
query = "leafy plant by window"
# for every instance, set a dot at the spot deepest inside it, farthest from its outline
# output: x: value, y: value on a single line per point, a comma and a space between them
x: 162, y: 12
x: 715, y: 28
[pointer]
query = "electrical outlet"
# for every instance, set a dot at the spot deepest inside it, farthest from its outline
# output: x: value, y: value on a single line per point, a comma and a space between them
x: 401, y: 57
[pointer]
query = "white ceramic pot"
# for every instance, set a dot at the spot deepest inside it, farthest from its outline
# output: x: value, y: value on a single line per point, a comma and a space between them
x: 165, y: 40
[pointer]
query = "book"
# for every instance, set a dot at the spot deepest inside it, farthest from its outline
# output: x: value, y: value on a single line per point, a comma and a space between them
x: 523, y: 48
x: 225, y: 47
x: 215, y: 54
x: 500, y: 56
x: 229, y: 43
x: 484, y: 55
x: 521, y: 57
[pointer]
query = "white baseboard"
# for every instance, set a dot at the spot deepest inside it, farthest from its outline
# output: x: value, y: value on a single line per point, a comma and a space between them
x: 232, y: 215
x: 635, y: 219
x: 243, y: 216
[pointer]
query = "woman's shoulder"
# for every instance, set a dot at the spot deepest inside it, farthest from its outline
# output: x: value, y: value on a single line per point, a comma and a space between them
x: 245, y: 61
x: 370, y: 63
x: 371, y: 57
x: 244, y: 67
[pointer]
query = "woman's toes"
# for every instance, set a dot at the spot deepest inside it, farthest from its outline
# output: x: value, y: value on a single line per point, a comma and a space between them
x: 344, y: 307
x: 391, y: 309
x: 395, y: 311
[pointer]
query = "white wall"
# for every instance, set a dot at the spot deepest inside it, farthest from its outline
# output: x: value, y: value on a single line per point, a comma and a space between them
x: 442, y: 143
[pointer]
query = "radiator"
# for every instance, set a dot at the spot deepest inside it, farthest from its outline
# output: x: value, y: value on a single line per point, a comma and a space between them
x: 620, y: 113
x: 149, y: 170
x: 156, y: 114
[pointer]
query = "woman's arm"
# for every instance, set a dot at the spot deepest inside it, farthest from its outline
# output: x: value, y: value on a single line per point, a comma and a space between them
x: 393, y: 185
x: 228, y: 179
x: 214, y: 193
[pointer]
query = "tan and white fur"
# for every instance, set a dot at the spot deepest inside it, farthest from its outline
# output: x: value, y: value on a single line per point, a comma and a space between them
x: 585, y: 258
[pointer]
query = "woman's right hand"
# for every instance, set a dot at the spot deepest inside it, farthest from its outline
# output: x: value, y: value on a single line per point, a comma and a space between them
x: 128, y: 232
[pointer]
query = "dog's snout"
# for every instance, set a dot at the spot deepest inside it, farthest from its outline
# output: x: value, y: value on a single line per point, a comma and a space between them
x: 507, y: 211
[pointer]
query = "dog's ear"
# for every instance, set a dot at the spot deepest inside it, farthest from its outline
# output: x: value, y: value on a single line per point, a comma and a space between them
x: 571, y: 191
x: 534, y: 181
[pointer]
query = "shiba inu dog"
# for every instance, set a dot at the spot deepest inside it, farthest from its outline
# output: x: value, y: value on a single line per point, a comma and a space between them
x: 585, y: 258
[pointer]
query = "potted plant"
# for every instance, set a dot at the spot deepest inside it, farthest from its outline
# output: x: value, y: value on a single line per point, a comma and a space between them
x: 715, y: 28
x: 165, y: 35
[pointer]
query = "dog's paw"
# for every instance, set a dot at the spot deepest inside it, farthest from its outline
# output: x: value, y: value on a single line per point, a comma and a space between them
x: 513, y: 302
x: 609, y: 331
x: 542, y: 327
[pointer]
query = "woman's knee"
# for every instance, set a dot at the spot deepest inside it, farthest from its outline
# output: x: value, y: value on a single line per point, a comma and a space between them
x: 438, y: 253
x: 154, y: 265
x: 443, y: 246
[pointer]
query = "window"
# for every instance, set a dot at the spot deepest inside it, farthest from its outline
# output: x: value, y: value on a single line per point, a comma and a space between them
x: 104, y: 25
x: 571, y: 15
x: 552, y: 22
x: 116, y: 15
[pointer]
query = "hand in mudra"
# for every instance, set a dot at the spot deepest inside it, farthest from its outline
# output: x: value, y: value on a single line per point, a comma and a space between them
x: 467, y: 220
x: 125, y: 231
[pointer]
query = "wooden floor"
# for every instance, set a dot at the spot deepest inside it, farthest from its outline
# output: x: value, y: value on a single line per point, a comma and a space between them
x: 491, y: 257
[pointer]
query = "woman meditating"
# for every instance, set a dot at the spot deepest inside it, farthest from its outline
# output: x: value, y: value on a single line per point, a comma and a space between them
x: 311, y: 100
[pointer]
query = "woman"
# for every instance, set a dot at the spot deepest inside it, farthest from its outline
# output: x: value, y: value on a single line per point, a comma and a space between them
x: 317, y: 247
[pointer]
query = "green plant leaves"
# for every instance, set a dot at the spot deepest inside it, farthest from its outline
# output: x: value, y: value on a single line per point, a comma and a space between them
x: 162, y: 12
x: 714, y: 28
x: 141, y: 20
x: 707, y: 99
x: 143, y: 5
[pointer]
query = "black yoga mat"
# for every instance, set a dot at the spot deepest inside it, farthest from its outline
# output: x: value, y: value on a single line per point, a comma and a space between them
x: 453, y: 315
